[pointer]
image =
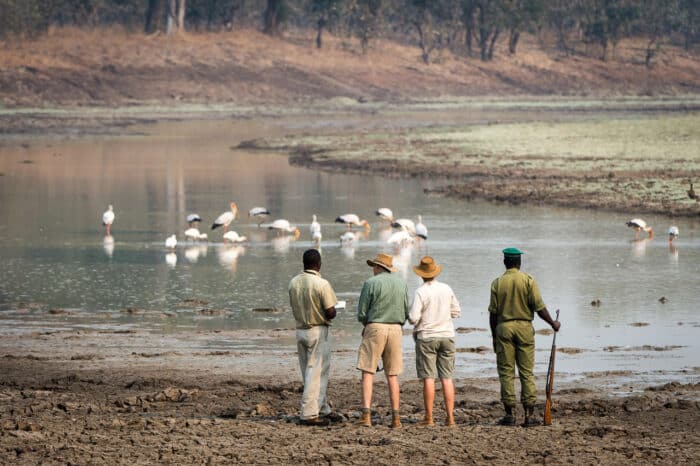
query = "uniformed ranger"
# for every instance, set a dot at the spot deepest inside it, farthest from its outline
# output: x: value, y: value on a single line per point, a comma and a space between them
x: 515, y: 298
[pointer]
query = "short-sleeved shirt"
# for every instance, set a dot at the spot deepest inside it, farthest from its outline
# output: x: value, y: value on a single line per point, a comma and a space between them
x: 310, y: 295
x: 384, y: 299
x: 434, y: 307
x: 515, y: 296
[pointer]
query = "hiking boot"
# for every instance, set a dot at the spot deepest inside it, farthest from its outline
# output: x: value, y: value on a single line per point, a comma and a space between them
x: 507, y: 420
x: 450, y: 422
x: 530, y: 419
x: 365, y: 419
x: 314, y: 421
x: 531, y: 422
x: 396, y: 422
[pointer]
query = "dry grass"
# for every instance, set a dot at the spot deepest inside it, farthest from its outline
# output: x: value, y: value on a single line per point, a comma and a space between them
x: 245, y: 66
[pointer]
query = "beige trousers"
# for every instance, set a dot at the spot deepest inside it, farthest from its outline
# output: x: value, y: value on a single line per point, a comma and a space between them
x: 314, y: 348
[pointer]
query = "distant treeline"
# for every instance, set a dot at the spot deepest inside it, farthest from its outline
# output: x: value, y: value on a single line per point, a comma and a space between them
x: 470, y: 27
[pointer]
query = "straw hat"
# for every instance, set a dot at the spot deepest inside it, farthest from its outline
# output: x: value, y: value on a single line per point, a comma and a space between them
x: 427, y: 268
x: 384, y: 261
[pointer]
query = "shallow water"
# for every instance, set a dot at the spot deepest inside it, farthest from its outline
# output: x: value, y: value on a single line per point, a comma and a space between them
x: 54, y: 255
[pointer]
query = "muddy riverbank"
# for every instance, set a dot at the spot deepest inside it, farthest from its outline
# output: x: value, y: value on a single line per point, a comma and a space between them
x: 96, y: 406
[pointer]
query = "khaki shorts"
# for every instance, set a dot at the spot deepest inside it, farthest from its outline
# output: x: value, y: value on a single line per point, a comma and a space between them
x: 381, y: 340
x: 435, y: 357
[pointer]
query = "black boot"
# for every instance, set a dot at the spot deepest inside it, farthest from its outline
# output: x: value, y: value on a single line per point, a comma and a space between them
x: 509, y: 418
x: 530, y: 419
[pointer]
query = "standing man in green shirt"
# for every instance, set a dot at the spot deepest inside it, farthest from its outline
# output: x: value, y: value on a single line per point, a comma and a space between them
x: 313, y: 305
x: 382, y: 310
x: 515, y: 298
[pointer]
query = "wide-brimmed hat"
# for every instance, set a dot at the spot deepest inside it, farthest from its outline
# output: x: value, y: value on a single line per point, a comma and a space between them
x: 384, y: 261
x: 427, y: 268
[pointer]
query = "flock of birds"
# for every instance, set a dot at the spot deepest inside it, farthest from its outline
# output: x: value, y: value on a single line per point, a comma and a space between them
x: 639, y: 225
x: 399, y: 232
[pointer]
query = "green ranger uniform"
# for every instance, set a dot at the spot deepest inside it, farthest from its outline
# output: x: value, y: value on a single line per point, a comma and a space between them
x: 515, y: 298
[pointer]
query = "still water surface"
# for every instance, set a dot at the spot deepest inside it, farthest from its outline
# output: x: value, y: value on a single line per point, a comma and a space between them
x: 53, y: 193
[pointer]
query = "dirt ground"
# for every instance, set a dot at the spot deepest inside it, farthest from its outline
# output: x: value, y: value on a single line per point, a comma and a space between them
x: 174, y: 410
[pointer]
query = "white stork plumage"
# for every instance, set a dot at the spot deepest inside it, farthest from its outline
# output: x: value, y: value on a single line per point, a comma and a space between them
x: 259, y: 213
x: 351, y: 219
x: 234, y: 237
x: 108, y: 219
x: 673, y: 233
x: 385, y: 214
x: 226, y: 218
x: 405, y: 224
x: 400, y: 239
x: 637, y: 224
x: 349, y: 238
x: 171, y: 242
x: 283, y: 226
x: 193, y: 234
x: 421, y: 229
x: 315, y: 230
x: 192, y: 219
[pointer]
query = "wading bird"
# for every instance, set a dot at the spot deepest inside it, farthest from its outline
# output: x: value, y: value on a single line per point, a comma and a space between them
x: 637, y: 224
x: 351, y: 219
x: 192, y: 219
x: 315, y: 230
x: 405, y: 224
x: 385, y: 214
x: 108, y: 219
x: 193, y: 234
x: 673, y: 233
x: 171, y: 242
x: 283, y: 226
x: 226, y: 218
x: 259, y: 213
x: 233, y: 237
x: 421, y: 230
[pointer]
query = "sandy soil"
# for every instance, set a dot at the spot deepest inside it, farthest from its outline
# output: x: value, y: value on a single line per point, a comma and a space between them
x: 94, y: 404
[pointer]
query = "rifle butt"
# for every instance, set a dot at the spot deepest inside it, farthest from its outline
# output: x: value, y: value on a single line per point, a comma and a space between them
x: 548, y: 412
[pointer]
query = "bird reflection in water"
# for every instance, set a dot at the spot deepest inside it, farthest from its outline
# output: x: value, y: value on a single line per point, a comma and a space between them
x: 639, y: 247
x: 108, y: 245
x: 171, y: 259
x: 280, y: 244
x: 193, y: 253
x: 402, y: 260
x: 228, y: 256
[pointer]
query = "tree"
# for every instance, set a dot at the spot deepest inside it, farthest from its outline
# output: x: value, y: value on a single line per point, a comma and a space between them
x: 657, y: 19
x: 606, y: 21
x: 521, y: 15
x: 325, y: 12
x: 154, y: 15
x: 365, y: 19
x: 274, y: 15
x: 175, y: 20
x: 490, y: 19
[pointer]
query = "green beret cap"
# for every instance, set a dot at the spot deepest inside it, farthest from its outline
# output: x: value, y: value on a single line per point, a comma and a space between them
x: 512, y: 252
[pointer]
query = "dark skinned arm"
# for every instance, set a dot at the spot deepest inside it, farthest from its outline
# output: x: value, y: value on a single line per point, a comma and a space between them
x: 330, y: 313
x: 544, y: 315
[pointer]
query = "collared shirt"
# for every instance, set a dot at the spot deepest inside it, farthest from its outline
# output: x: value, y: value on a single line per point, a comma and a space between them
x: 515, y: 296
x: 434, y: 307
x: 310, y: 295
x: 384, y: 299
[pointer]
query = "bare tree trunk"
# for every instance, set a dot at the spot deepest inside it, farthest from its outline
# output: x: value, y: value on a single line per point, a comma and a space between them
x: 170, y: 23
x: 513, y: 41
x: 493, y: 42
x: 235, y: 6
x: 271, y: 25
x: 154, y: 16
x: 319, y: 39
x: 181, y: 15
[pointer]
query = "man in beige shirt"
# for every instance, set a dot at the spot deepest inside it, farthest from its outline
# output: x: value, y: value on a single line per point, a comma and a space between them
x: 313, y: 304
x: 434, y: 307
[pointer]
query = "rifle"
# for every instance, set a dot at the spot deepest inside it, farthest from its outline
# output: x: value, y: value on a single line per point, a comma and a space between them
x: 550, y: 380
